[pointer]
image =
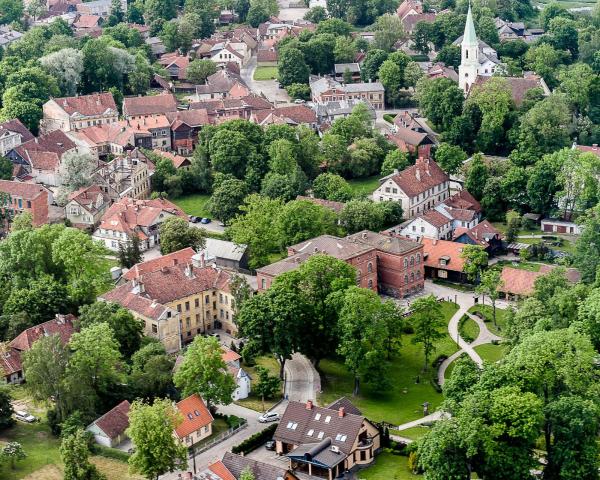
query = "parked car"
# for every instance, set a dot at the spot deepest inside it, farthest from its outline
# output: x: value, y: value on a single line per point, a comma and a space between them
x: 299, y: 101
x: 205, y: 221
x: 23, y: 416
x: 194, y: 219
x: 270, y: 445
x: 268, y: 417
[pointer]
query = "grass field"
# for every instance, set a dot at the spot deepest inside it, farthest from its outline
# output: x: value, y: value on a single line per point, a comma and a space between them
x: 265, y: 73
x: 194, y: 204
x: 491, y: 353
x: 530, y: 266
x: 402, y: 402
x: 388, y: 467
x: 486, y: 310
x: 362, y: 187
x: 468, y: 329
x: 414, y: 433
x: 254, y: 402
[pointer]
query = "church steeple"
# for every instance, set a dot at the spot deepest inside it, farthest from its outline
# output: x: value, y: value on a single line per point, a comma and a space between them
x: 469, y: 37
x: 469, y: 49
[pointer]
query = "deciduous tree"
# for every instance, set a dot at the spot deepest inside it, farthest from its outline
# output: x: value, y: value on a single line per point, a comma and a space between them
x: 176, y: 234
x: 75, y: 454
x: 427, y: 319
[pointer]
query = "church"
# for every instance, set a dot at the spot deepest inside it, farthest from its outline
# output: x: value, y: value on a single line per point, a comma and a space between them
x: 478, y: 59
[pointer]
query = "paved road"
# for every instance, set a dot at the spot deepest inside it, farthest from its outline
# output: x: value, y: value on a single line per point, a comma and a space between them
x: 302, y: 381
x: 270, y: 88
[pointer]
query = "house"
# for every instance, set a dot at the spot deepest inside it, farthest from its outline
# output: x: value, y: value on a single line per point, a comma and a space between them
x: 26, y: 197
x: 221, y: 110
x: 508, y: 31
x: 157, y: 47
x: 483, y: 234
x: 353, y: 70
x: 410, y: 141
x: 41, y: 157
x: 519, y: 86
x: 243, y: 381
x: 222, y: 84
x: 177, y: 160
x: 329, y: 112
x: 359, y: 255
x: 587, y: 149
x: 197, y: 421
x: 225, y: 254
x: 335, y: 207
x: 267, y: 57
x: 440, y: 70
x: 418, y: 188
x: 109, y: 139
x: 185, y: 125
x: 109, y: 429
x: 325, y: 442
x: 156, y: 127
x: 431, y: 224
x: 411, y: 12
x: 127, y: 217
x: 326, y: 89
x: 8, y: 36
x: 399, y: 262
x: 293, y: 115
x: 517, y: 282
x: 226, y: 52
x: 184, y: 283
x: 10, y: 360
x: 90, y: 25
x: 135, y: 108
x: 12, y: 134
x: 477, y: 57
x: 232, y: 466
x: 126, y: 176
x: 443, y: 260
x: 176, y: 64
x: 556, y: 225
x: 99, y: 7
x: 86, y: 206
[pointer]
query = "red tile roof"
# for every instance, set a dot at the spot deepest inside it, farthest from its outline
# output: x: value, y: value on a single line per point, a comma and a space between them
x: 195, y: 415
x: 517, y: 281
x: 221, y: 471
x: 62, y: 325
x: 419, y: 178
x: 45, y: 151
x: 87, y: 21
x: 587, y: 149
x: 149, y: 105
x: 115, y: 421
x: 265, y: 55
x: 229, y: 355
x: 16, y: 126
x: 433, y: 250
x: 435, y: 218
x: 27, y: 191
x: 90, y: 198
x: 143, y: 306
x: 10, y: 361
x: 298, y: 113
x: 177, y: 160
x: 191, y: 118
x: 465, y: 200
x: 88, y: 105
x: 183, y: 256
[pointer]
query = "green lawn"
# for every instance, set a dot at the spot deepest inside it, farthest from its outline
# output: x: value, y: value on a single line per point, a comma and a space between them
x: 402, y: 401
x: 503, y: 227
x: 254, y: 402
x: 521, y: 265
x: 265, y: 73
x: 491, y: 353
x: 486, y: 310
x: 461, y: 287
x: 468, y: 329
x: 388, y: 467
x: 414, y: 433
x: 362, y: 187
x: 567, y: 246
x: 194, y: 204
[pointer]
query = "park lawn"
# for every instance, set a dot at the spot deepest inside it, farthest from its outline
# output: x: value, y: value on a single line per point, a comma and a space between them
x: 503, y: 228
x: 491, y: 353
x: 521, y: 265
x: 113, y: 469
x: 486, y: 310
x: 388, y: 467
x: 468, y: 329
x: 195, y: 204
x: 402, y: 402
x: 414, y: 433
x: 254, y: 402
x: 362, y: 187
x: 568, y: 245
x: 265, y: 73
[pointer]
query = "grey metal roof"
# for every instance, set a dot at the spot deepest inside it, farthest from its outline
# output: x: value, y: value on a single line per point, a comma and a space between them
x: 364, y: 87
x: 342, y: 67
x: 223, y: 249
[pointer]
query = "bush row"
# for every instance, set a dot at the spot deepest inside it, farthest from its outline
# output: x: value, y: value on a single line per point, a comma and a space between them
x: 255, y: 440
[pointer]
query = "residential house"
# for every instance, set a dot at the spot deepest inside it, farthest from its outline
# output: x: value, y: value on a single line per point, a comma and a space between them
x: 242, y: 379
x: 224, y: 109
x: 25, y: 197
x: 361, y: 256
x: 325, y: 442
x: 157, y: 127
x: 293, y: 115
x: 556, y: 225
x: 483, y: 234
x: 440, y: 70
x: 127, y: 217
x: 176, y: 64
x: 184, y: 283
x: 353, y: 70
x: 135, y: 108
x: 411, y: 12
x: 225, y: 254
x: 411, y: 141
x: 86, y: 206
x: 222, y: 84
x: 399, y: 262
x: 177, y: 160
x: 12, y: 134
x: 232, y: 466
x: 109, y: 430
x: 518, y: 86
x: 267, y: 57
x: 157, y: 47
x: 443, y: 260
x: 143, y: 29
x: 99, y: 7
x: 197, y: 421
x: 109, y: 139
x: 431, y: 224
x: 185, y: 126
x: 329, y: 112
x: 517, y: 283
x: 587, y: 149
x: 126, y: 176
x: 326, y: 89
x: 226, y: 52
x: 87, y: 25
x: 41, y: 157
x: 8, y: 36
x: 418, y: 188
x: 508, y: 31
x: 10, y: 358
x: 335, y: 207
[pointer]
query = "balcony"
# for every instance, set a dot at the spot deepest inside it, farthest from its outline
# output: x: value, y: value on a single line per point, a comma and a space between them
x: 365, y: 443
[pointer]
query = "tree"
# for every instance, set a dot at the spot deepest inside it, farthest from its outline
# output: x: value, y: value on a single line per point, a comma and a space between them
x: 545, y: 60
x: 301, y: 220
x: 477, y: 175
x: 151, y: 427
x: 440, y: 101
x: 487, y: 30
x: 176, y: 234
x: 388, y: 30
x: 463, y: 379
x: 332, y: 187
x: 152, y: 371
x: 316, y: 14
x: 427, y: 319
x: 10, y: 11
x: 76, y: 170
x: 449, y: 55
x: 441, y: 456
x: 335, y: 26
x: 227, y: 198
x: 204, y: 372
x: 6, y: 169
x: 412, y: 74
x: 240, y: 291
x: 198, y: 70
x: 6, y: 410
x: 344, y: 52
x: 360, y: 215
x: 391, y: 77
x: 371, y: 64
x: 298, y: 91
x: 420, y: 37
x: 75, y: 453
x: 127, y: 329
x: 159, y: 9
x: 13, y: 452
x: 66, y: 66
x: 564, y: 35
x: 394, y: 160
x: 256, y: 15
x: 544, y: 183
x: 116, y: 13
x: 450, y: 157
x: 489, y: 285
x: 267, y: 386
x: 130, y: 254
x: 247, y: 473
x: 587, y: 247
x: 475, y: 259
x: 292, y: 67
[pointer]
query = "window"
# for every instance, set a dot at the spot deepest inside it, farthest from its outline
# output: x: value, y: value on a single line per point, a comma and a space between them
x: 310, y: 432
x: 154, y: 328
x: 187, y: 322
x: 422, y: 229
x: 442, y: 274
x: 179, y: 307
x: 412, y: 277
x: 405, y: 279
x: 341, y: 438
x: 405, y: 262
x: 370, y: 267
x: 327, y: 419
x: 197, y: 303
x: 370, y: 284
x: 418, y: 258
x: 320, y: 435
x: 292, y: 425
x: 318, y: 416
x: 187, y: 306
x: 28, y: 203
x: 263, y: 284
x: 207, y: 300
x: 412, y: 261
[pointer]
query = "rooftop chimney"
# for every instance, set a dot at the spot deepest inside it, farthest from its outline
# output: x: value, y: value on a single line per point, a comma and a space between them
x: 175, y: 261
x: 341, y: 412
x: 364, y: 235
x: 309, y: 405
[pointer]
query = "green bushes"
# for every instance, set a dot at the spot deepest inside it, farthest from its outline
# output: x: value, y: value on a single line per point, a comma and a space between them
x: 255, y: 440
x: 110, y: 453
x: 389, y: 117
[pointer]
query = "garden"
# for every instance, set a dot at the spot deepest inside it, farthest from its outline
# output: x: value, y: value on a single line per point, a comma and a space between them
x: 265, y: 73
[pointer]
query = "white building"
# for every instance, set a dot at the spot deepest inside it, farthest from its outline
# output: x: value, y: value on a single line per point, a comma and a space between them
x: 431, y: 224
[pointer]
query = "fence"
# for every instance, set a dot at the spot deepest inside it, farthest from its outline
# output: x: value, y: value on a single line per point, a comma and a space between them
x: 219, y: 438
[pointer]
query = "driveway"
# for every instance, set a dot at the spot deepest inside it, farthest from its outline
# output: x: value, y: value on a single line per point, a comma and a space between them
x: 268, y: 88
x: 288, y: 14
x: 302, y: 381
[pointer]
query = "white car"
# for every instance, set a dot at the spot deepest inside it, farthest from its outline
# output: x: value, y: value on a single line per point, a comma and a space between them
x: 268, y: 417
x: 23, y: 416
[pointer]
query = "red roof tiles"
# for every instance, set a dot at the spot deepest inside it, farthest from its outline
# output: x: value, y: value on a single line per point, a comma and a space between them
x: 434, y: 250
x: 195, y: 415
x: 27, y: 191
x: 62, y: 325
x: 183, y: 256
x: 419, y: 178
x: 88, y: 105
x: 150, y: 105
x: 115, y: 421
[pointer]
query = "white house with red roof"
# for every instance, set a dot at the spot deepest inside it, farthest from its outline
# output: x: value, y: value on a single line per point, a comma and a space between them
x: 74, y: 113
x: 12, y: 134
x: 242, y: 379
x: 197, y: 421
x: 431, y: 224
x: 109, y: 430
x: 418, y: 188
x: 128, y: 217
x: 86, y: 206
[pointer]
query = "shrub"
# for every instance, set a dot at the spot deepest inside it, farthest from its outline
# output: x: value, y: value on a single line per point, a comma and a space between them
x: 388, y: 117
x: 110, y: 453
x: 255, y: 440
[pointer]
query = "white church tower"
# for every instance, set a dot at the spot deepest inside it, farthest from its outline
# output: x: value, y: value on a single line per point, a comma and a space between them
x: 469, y: 49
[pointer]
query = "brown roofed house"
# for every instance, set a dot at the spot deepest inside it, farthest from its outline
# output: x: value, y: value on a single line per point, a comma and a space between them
x: 12, y: 134
x: 140, y: 107
x: 109, y: 429
x: 26, y: 197
x: 75, y: 113
x: 232, y: 466
x: 86, y: 206
x: 443, y: 260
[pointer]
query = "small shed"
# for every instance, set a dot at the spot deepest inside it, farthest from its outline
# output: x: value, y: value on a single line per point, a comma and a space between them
x: 109, y: 429
x: 555, y: 225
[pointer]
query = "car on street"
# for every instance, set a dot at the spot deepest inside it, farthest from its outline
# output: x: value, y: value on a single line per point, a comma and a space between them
x: 299, y: 101
x: 194, y: 219
x: 205, y: 221
x: 268, y: 417
x: 270, y: 445
x: 24, y: 416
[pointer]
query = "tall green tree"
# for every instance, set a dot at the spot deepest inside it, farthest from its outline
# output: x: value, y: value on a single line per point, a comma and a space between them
x: 427, y: 320
x: 176, y: 234
x: 489, y: 285
x: 268, y: 386
x: 292, y: 67
x: 475, y: 260
x: 440, y: 100
x: 6, y: 410
x: 75, y: 453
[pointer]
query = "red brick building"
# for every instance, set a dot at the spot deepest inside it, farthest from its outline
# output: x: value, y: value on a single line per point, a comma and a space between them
x: 26, y: 197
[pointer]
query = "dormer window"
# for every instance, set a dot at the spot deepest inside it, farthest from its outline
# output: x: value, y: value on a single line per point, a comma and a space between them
x: 318, y: 416
x: 320, y: 435
x: 327, y: 419
x: 310, y: 432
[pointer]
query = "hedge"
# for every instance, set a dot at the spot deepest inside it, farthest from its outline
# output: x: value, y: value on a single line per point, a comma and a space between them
x: 255, y: 440
x: 110, y: 453
x: 388, y: 117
